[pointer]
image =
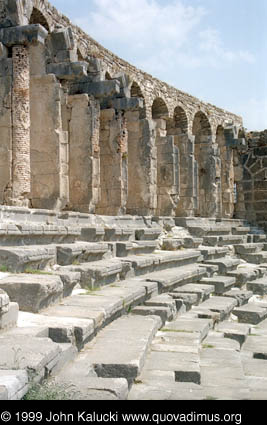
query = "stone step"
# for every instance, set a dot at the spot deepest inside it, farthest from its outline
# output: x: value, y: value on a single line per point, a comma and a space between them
x: 224, y: 240
x: 212, y: 253
x: 257, y: 238
x: 241, y: 230
x: 202, y: 291
x: 119, y: 350
x: 257, y: 346
x: 81, y: 252
x: 81, y: 386
x: 64, y: 330
x: 25, y: 234
x: 9, y: 316
x: 124, y: 249
x: 250, y: 313
x: 217, y: 341
x: 19, y: 259
x: 119, y: 234
x: 148, y: 234
x: 222, y: 305
x: 173, y: 244
x: 222, y: 374
x: 171, y: 279
x: 161, y: 260
x: 259, y: 286
x: 33, y: 292
x: 256, y: 258
x: 237, y: 331
x: 241, y: 296
x: 98, y: 273
x: 248, y: 248
x: 245, y: 273
x: 96, y: 310
x: 92, y: 234
x: 184, y: 366
x: 189, y: 300
x: 221, y: 283
x: 38, y: 356
x: 204, y: 230
x: 14, y: 384
x: 225, y: 264
x: 189, y: 325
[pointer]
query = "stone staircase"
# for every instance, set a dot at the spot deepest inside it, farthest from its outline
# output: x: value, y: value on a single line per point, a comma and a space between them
x: 130, y: 307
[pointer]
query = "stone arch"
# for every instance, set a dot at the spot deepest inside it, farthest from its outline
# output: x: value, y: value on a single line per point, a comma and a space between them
x: 108, y: 76
x: 137, y: 92
x: 205, y: 167
x: 178, y: 125
x: 159, y: 109
x: 201, y: 126
x: 38, y: 18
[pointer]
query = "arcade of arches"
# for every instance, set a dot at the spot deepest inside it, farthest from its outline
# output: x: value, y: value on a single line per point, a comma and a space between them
x: 80, y: 134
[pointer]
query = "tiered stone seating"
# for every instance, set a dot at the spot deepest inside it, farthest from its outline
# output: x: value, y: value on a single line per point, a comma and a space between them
x: 161, y: 306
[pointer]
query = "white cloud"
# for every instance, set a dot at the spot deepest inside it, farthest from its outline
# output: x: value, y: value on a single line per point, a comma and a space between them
x: 142, y: 23
x: 147, y: 33
x: 213, y: 48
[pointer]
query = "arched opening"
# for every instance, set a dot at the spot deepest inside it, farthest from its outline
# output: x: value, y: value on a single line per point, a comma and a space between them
x: 205, y: 173
x: 159, y: 109
x: 139, y: 157
x: 137, y: 92
x: 177, y: 127
x: 38, y: 18
x: 226, y: 184
x: 243, y: 183
x: 167, y: 161
x: 108, y: 76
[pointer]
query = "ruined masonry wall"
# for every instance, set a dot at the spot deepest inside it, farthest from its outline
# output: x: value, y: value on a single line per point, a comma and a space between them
x: 21, y: 123
x: 253, y: 175
x: 150, y: 86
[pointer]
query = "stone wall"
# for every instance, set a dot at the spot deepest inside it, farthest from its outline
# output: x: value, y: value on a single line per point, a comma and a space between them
x: 94, y: 134
x: 253, y: 172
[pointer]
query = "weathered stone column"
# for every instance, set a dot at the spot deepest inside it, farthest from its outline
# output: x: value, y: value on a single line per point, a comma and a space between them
x: 21, y: 169
x: 19, y: 38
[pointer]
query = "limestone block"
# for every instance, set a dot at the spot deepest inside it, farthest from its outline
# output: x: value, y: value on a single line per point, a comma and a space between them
x: 10, y: 317
x: 24, y: 35
x: 99, y: 90
x: 62, y: 39
x: 68, y: 71
x: 15, y: 383
x: 33, y: 292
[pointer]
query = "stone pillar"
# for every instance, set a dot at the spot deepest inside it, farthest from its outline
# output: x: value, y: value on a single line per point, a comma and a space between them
x: 186, y: 204
x: 21, y: 170
x: 84, y: 161
x: 113, y: 163
x: 142, y: 165
x: 167, y: 171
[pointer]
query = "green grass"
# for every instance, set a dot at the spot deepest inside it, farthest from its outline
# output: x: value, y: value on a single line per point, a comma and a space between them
x: 39, y: 272
x: 208, y: 346
x: 47, y: 391
x: 3, y: 269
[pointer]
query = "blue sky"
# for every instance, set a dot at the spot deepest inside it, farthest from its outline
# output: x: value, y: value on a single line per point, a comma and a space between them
x: 213, y: 49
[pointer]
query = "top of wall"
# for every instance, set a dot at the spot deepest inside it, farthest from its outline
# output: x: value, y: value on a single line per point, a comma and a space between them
x: 87, y: 46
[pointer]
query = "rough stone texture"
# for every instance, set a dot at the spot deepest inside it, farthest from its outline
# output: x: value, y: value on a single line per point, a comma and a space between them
x: 151, y: 149
x: 49, y: 159
x: 21, y: 173
x: 33, y: 292
x: 13, y: 384
x: 84, y: 153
